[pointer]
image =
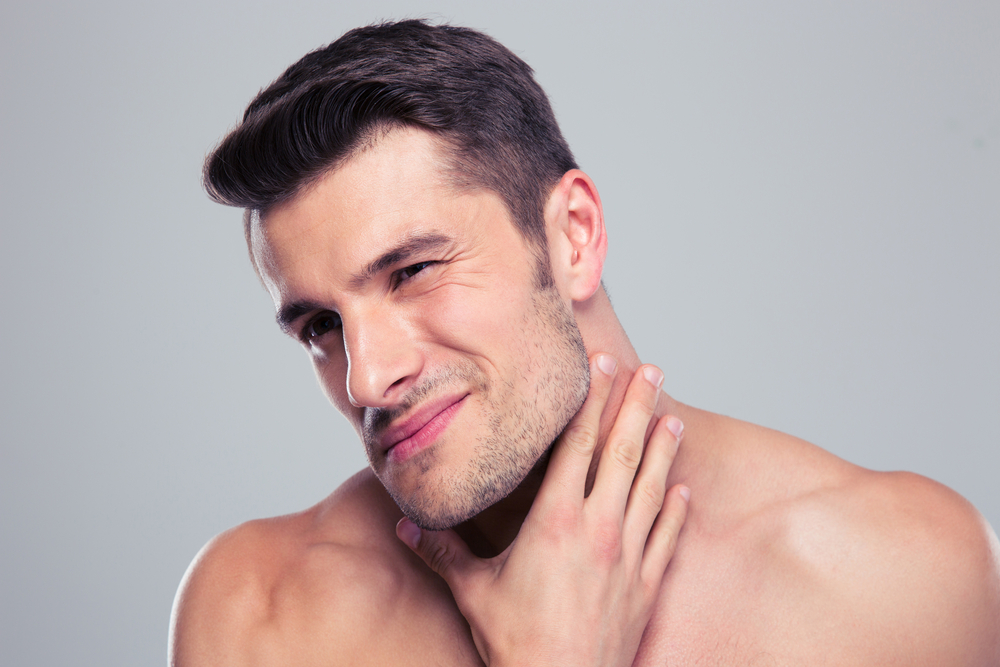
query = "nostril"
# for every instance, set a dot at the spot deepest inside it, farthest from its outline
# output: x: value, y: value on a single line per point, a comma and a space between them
x: 394, y: 385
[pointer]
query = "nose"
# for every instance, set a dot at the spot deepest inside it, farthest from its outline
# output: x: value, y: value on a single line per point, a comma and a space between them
x: 383, y: 359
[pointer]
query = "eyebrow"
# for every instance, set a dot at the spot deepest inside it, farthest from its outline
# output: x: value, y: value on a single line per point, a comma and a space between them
x: 293, y: 311
x: 413, y: 245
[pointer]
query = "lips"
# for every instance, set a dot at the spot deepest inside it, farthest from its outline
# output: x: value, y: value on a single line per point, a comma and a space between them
x: 408, y: 438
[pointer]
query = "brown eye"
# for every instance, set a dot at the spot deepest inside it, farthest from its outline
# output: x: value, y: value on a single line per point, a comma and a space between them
x: 321, y: 324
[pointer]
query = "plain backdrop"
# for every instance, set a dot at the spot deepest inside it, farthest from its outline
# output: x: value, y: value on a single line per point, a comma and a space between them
x: 803, y: 202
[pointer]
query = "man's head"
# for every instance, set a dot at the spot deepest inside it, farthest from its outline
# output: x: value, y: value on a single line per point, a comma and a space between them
x: 428, y: 254
x: 473, y: 94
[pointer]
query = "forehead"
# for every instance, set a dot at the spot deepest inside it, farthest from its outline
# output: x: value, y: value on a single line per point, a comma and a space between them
x: 396, y: 187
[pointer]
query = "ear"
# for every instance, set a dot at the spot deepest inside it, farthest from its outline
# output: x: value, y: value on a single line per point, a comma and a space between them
x: 577, y: 240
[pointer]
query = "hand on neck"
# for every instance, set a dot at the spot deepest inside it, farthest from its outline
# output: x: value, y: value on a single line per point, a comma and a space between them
x: 492, y: 530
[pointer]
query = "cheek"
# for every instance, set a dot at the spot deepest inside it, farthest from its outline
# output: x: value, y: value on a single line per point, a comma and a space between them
x: 477, y: 322
x: 332, y: 377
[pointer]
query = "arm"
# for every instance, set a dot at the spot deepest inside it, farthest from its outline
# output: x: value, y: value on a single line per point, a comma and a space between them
x: 578, y: 584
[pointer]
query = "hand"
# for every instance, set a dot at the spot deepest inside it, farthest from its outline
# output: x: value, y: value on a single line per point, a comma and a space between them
x: 578, y: 584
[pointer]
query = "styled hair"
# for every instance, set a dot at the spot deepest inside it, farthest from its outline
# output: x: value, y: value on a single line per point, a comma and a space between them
x: 481, y: 102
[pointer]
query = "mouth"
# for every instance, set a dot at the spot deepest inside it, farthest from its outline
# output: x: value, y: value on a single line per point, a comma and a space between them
x: 416, y: 433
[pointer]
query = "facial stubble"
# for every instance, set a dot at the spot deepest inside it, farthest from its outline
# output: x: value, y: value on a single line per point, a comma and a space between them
x: 521, y: 424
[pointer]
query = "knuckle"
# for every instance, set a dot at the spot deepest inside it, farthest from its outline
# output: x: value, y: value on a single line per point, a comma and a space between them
x: 678, y: 515
x: 671, y: 544
x: 651, y: 494
x: 671, y: 532
x: 580, y: 437
x: 440, y: 558
x: 626, y: 453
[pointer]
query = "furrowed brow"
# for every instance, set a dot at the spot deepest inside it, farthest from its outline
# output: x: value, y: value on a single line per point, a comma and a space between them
x: 414, y: 245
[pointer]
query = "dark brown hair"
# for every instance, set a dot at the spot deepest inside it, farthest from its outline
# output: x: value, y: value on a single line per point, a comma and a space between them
x: 478, y: 98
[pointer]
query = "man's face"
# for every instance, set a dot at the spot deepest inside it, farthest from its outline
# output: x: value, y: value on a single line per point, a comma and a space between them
x: 419, y: 308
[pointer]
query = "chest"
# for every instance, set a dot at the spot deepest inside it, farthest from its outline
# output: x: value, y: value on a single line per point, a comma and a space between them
x: 715, y: 609
x: 722, y: 603
x: 749, y: 603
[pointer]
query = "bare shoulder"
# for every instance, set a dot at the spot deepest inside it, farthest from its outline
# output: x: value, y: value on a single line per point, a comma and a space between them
x: 312, y: 587
x: 861, y: 567
x: 933, y: 535
x: 906, y: 557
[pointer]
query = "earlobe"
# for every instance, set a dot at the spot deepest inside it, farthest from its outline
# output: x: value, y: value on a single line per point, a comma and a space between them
x: 577, y: 238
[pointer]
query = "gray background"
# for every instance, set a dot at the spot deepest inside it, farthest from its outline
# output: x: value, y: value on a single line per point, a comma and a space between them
x: 804, y: 215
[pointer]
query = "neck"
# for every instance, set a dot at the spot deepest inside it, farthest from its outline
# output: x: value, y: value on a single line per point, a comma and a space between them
x: 491, y: 531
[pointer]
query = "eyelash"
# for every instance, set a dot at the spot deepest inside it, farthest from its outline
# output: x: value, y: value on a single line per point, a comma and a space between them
x: 399, y: 277
x: 308, y: 331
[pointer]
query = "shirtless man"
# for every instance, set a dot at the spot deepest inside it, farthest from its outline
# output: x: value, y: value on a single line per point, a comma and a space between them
x: 425, y: 234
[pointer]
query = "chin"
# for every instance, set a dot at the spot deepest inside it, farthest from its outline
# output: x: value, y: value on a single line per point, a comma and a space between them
x: 453, y: 499
x: 449, y: 503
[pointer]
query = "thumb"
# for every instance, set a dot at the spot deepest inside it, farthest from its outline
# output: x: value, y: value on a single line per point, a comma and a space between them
x: 442, y: 550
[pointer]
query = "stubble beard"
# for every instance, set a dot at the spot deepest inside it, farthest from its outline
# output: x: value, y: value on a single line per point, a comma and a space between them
x: 521, y: 426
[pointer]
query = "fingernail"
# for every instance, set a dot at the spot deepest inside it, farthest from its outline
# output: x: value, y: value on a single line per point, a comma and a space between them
x: 606, y: 363
x: 675, y: 426
x: 409, y: 533
x: 686, y: 493
x: 653, y: 375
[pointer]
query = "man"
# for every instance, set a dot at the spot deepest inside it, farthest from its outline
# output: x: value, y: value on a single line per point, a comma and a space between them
x: 425, y: 233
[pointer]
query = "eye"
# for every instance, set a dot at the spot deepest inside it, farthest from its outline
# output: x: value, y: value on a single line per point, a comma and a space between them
x: 410, y: 271
x: 319, y: 325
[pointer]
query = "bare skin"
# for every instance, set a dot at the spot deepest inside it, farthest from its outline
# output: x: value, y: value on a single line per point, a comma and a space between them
x: 788, y: 555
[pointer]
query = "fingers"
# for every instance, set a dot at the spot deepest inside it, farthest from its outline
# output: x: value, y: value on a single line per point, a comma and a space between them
x: 442, y: 550
x: 663, y: 537
x: 648, y: 493
x: 624, y: 447
x: 574, y: 451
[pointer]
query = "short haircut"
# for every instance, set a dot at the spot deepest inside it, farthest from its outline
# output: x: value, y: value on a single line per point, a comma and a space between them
x: 479, y: 99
